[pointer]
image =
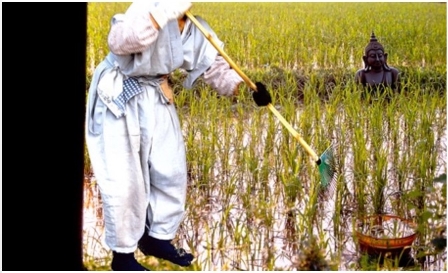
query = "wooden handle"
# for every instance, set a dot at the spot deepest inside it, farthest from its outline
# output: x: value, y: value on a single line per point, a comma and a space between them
x: 221, y: 51
x: 251, y: 85
x: 293, y: 132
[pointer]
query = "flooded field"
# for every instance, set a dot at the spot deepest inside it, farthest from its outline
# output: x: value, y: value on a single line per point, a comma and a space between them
x: 237, y: 220
x: 254, y: 199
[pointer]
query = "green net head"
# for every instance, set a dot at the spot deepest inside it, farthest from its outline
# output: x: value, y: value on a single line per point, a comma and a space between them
x: 327, y: 171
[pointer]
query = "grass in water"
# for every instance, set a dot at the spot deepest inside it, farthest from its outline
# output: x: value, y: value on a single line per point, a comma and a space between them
x: 252, y: 200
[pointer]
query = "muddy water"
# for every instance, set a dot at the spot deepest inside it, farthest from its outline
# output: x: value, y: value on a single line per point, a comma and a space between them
x: 207, y: 233
x: 94, y: 245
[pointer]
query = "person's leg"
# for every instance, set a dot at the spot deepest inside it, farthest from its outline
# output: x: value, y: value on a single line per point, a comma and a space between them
x: 168, y: 176
x: 125, y: 262
x: 117, y: 170
x: 163, y: 249
x: 168, y: 172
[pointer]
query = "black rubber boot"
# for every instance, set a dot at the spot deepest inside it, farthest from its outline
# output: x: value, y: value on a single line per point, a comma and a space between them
x: 163, y: 249
x: 126, y: 262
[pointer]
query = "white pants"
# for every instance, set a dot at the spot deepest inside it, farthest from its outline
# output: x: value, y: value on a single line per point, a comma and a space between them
x: 139, y: 163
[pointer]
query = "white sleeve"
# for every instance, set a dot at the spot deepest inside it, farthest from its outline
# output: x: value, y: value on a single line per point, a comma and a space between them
x: 133, y: 31
x: 221, y: 77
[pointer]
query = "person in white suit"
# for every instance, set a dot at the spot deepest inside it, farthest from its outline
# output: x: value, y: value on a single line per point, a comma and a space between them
x: 133, y: 134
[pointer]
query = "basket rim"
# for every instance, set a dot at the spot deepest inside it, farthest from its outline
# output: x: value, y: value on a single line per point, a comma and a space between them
x: 362, y: 235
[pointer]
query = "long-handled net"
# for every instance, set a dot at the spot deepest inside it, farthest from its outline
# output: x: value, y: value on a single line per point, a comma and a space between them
x: 325, y: 162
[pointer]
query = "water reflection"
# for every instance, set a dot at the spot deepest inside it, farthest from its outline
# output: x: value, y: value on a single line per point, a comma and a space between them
x: 235, y: 223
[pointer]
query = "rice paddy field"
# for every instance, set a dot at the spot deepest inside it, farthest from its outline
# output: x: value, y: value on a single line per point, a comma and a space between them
x: 253, y: 198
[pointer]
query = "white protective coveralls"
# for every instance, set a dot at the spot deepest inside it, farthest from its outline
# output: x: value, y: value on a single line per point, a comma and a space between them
x: 133, y: 133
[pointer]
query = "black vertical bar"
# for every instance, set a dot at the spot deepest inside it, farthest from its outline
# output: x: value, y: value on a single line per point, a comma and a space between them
x: 43, y: 93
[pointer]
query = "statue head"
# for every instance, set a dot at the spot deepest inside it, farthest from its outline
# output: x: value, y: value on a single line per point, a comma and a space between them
x: 373, y: 45
x: 374, y: 55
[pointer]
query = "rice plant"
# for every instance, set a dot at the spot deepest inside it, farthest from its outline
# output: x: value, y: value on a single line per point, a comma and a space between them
x: 252, y: 200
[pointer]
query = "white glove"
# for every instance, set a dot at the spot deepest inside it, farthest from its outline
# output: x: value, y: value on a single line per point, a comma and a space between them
x: 169, y: 10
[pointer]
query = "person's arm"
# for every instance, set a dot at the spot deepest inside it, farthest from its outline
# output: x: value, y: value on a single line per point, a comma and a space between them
x: 226, y: 82
x: 138, y: 28
x: 133, y: 31
x: 222, y: 78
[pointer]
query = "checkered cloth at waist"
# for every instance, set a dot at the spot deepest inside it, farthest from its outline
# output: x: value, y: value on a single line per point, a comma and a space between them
x: 131, y: 88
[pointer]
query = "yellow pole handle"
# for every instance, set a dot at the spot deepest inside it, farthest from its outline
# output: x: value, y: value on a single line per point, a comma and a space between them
x: 251, y: 85
x: 293, y: 132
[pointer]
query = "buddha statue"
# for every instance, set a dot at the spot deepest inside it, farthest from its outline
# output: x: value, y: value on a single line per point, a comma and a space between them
x: 376, y: 74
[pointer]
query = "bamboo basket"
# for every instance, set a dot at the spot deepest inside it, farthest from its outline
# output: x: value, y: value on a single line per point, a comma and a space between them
x: 377, y: 239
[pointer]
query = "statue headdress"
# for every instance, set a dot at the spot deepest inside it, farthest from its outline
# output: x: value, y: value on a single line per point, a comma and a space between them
x: 374, y: 44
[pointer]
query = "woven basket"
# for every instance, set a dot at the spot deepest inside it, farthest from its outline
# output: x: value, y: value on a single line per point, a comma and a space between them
x: 379, y: 244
